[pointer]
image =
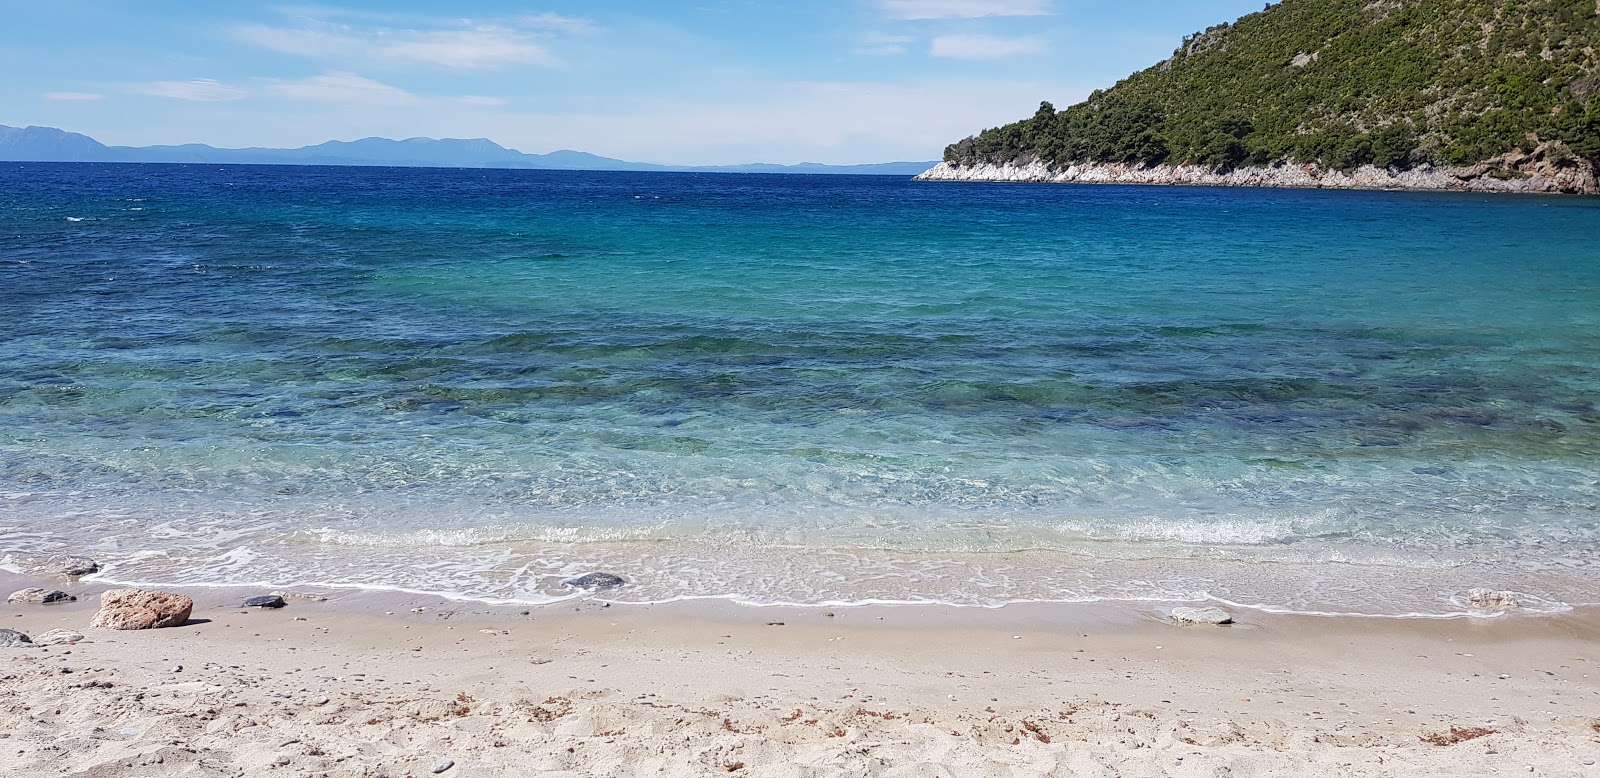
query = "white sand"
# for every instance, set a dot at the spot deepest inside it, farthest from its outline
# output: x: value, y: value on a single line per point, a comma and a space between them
x: 713, y: 690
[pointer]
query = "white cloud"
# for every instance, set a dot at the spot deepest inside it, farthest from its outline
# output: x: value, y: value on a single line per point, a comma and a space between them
x: 556, y: 23
x: 964, y: 9
x: 345, y: 88
x: 200, y: 90
x: 484, y: 47
x: 830, y: 122
x: 73, y: 97
x: 302, y: 42
x: 879, y: 44
x: 460, y: 44
x: 983, y: 46
x: 750, y: 121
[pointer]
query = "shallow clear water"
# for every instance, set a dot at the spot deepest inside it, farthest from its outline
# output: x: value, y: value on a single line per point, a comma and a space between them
x: 799, y: 389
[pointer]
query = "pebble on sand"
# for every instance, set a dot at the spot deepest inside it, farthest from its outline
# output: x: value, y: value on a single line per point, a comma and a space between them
x: 10, y: 638
x: 1187, y: 616
x: 443, y: 765
x: 595, y: 581
x: 136, y: 609
x: 265, y: 601
x: 40, y: 596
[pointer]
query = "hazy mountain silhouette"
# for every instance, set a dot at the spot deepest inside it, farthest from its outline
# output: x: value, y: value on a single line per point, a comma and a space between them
x: 48, y: 144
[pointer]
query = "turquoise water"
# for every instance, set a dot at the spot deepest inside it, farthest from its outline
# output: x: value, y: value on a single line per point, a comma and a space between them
x: 799, y: 389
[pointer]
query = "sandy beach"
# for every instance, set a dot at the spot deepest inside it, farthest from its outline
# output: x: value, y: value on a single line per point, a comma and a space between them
x: 393, y: 685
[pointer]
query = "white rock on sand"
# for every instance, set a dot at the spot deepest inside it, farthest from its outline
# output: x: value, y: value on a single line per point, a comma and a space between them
x: 1188, y: 616
x: 58, y: 637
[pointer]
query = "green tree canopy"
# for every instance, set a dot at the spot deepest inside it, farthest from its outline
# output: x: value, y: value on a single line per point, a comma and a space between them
x: 1339, y: 83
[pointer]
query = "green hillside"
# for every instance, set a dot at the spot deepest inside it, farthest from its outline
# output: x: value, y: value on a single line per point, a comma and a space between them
x: 1340, y: 83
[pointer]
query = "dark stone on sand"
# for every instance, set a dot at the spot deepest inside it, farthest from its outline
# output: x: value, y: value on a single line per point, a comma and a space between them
x: 595, y: 581
x: 265, y: 601
x: 10, y: 638
x: 40, y: 596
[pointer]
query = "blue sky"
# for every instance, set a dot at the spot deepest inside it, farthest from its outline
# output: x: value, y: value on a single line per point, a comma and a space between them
x: 708, y: 82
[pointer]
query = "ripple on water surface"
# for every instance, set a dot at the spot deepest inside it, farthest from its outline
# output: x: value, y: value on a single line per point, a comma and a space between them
x: 799, y: 389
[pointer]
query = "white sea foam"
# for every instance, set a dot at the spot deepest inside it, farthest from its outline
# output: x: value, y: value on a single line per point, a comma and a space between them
x: 1242, y: 531
x: 479, y: 536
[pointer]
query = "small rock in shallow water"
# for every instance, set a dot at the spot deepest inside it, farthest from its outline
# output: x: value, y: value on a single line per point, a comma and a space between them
x: 443, y: 765
x: 10, y: 638
x: 73, y: 566
x: 265, y: 601
x: 41, y: 596
x: 135, y: 609
x: 59, y: 637
x: 595, y: 581
x: 1489, y: 599
x: 1200, y: 616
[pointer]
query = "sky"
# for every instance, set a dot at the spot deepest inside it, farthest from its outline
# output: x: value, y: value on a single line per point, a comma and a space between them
x: 701, y: 82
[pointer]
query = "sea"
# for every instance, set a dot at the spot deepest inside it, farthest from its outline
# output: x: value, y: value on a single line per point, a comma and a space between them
x: 799, y: 390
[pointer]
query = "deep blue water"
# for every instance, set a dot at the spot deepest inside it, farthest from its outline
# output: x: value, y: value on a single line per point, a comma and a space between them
x: 799, y: 388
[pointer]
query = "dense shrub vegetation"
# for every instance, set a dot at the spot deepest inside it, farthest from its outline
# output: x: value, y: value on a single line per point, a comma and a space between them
x: 1341, y: 83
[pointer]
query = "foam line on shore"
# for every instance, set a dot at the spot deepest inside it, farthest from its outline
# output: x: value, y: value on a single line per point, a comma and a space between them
x: 1544, y: 607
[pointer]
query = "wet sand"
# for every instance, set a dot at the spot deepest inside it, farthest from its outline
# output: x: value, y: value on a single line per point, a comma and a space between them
x: 398, y: 685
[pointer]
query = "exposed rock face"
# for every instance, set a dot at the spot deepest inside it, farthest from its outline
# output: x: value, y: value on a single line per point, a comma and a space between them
x: 1491, y: 600
x: 10, y: 638
x: 135, y: 609
x: 1188, y: 616
x: 265, y: 601
x: 595, y: 581
x: 40, y: 596
x: 1549, y: 169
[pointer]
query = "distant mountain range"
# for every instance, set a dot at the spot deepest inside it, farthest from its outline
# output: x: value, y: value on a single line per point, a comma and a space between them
x: 49, y: 144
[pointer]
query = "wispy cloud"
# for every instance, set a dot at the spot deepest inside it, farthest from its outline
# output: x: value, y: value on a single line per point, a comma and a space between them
x: 344, y: 88
x: 456, y: 44
x: 571, y: 25
x: 983, y: 46
x: 837, y: 122
x: 73, y: 97
x: 484, y: 47
x: 879, y: 44
x: 964, y: 9
x: 200, y: 90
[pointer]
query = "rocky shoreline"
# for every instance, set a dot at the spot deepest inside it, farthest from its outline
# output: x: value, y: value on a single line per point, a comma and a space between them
x: 1545, y: 171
